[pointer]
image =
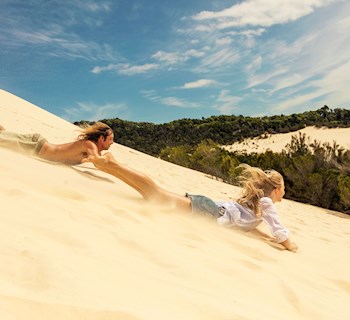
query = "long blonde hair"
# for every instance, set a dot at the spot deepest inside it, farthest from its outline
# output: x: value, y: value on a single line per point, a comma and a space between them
x: 256, y: 184
x: 94, y: 131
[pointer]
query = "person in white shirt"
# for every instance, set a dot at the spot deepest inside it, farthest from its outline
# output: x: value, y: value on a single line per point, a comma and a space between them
x: 261, y: 189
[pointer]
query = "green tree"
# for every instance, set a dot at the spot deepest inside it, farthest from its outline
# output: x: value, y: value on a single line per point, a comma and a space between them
x: 344, y: 191
x: 179, y: 155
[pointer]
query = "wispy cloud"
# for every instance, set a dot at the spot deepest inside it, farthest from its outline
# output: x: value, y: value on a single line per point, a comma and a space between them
x: 263, y: 78
x: 171, y: 58
x: 92, y: 112
x: 59, y: 44
x: 56, y: 32
x: 227, y: 103
x: 168, y: 57
x: 125, y: 68
x: 247, y: 33
x: 178, y: 102
x: 304, y: 72
x: 260, y: 13
x: 168, y: 101
x: 296, y: 101
x: 192, y: 53
x: 199, y: 84
x: 95, y: 6
x: 218, y: 59
x: 332, y: 86
x: 223, y: 41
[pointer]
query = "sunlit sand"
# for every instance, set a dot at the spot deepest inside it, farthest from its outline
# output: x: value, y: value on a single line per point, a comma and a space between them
x: 76, y: 243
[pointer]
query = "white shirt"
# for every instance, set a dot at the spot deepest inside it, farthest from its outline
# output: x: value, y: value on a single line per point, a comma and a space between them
x: 235, y: 214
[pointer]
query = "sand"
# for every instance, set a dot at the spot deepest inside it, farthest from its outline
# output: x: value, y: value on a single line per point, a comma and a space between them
x: 76, y: 243
x: 278, y: 142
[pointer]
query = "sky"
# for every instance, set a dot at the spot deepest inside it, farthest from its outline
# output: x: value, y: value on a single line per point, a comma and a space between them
x: 162, y: 60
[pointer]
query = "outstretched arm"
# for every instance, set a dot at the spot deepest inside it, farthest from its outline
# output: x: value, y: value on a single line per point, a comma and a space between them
x: 140, y: 182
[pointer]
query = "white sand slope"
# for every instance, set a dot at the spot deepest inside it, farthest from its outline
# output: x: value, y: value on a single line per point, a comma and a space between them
x: 76, y: 243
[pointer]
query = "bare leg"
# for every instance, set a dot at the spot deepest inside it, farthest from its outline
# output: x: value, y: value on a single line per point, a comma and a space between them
x: 140, y: 182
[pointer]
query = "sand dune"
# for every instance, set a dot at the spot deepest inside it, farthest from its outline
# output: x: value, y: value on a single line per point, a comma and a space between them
x: 76, y: 243
x: 278, y: 142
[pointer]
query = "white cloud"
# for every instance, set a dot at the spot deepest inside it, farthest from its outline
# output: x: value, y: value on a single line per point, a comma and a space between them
x: 335, y: 86
x: 178, y: 102
x: 56, y: 30
x: 131, y: 70
x: 310, y: 70
x: 247, y: 33
x: 254, y: 65
x: 223, y: 41
x: 279, y: 62
x: 168, y: 57
x: 92, y: 112
x: 97, y: 6
x: 261, y: 12
x: 208, y: 28
x: 194, y: 53
x: 287, y: 82
x: 60, y: 44
x: 307, y: 100
x: 263, y: 78
x: 226, y: 103
x: 172, y: 58
x: 149, y: 94
x: 219, y: 59
x: 199, y: 84
x: 169, y: 101
x: 125, y: 68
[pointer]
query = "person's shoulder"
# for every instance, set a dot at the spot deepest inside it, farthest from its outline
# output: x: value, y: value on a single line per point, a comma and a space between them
x: 266, y: 202
x: 268, y: 207
x: 85, y: 144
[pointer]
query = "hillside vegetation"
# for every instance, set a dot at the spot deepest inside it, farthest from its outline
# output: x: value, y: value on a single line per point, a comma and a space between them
x: 152, y: 138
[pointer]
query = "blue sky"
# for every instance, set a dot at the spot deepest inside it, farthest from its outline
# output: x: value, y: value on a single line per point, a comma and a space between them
x: 161, y: 60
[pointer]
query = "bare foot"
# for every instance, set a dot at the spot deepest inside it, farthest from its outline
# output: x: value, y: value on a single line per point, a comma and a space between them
x: 2, y: 128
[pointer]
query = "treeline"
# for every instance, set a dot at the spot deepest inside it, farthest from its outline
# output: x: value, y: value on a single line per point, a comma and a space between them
x: 152, y: 138
x: 314, y: 173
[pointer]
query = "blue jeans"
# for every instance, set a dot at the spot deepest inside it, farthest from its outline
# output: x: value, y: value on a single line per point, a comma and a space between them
x: 204, y: 205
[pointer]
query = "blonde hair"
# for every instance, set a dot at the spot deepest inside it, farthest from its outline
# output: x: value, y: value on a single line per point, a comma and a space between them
x: 94, y: 131
x: 256, y: 184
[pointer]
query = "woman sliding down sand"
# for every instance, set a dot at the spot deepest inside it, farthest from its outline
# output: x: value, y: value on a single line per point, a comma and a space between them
x: 261, y: 189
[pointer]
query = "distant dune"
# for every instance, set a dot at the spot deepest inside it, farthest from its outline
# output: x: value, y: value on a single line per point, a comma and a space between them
x: 278, y: 142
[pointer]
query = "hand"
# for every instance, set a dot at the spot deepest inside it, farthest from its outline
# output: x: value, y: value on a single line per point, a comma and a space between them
x: 293, y: 247
x: 99, y: 162
x: 289, y: 245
